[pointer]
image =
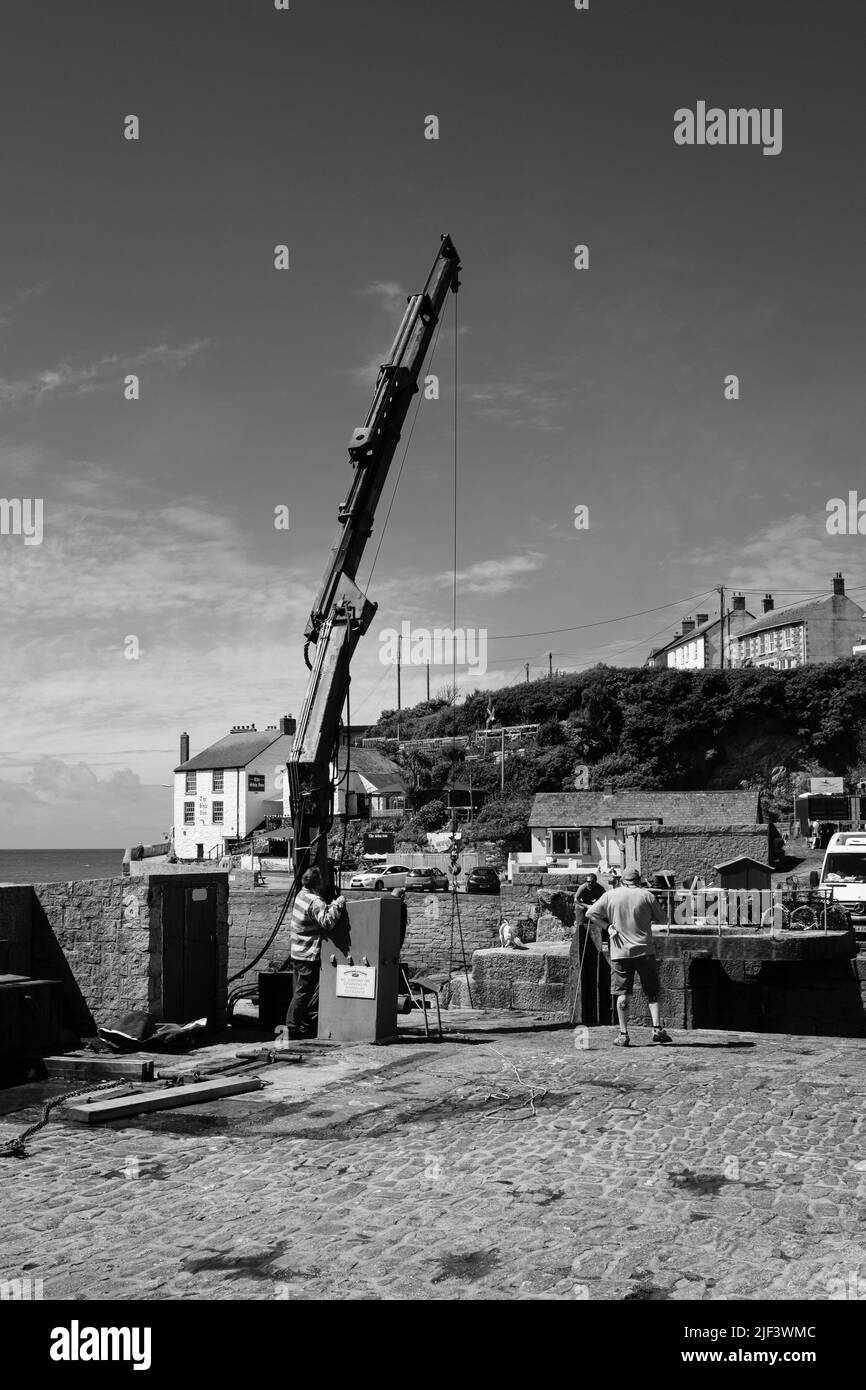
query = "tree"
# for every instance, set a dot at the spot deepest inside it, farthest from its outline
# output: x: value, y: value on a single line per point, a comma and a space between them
x: 429, y: 817
x: 550, y: 734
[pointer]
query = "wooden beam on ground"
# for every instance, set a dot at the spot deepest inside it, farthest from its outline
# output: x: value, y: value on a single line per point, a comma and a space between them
x: 110, y: 1093
x: 168, y: 1098
x: 96, y: 1067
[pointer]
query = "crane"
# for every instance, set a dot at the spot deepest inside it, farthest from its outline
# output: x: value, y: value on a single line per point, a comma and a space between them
x: 341, y: 613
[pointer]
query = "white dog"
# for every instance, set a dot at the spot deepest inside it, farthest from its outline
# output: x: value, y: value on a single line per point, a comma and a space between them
x: 510, y: 936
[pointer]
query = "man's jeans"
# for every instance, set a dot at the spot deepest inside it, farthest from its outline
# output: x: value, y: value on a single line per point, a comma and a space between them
x: 303, y: 1015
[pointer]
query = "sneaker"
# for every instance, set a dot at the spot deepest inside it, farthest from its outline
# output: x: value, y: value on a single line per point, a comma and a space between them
x: 622, y: 1041
x: 661, y: 1035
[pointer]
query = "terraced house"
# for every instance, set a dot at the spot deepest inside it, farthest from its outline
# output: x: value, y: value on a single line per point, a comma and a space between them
x: 824, y: 629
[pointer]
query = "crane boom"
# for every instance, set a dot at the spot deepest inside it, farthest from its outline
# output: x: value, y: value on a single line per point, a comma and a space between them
x: 341, y: 613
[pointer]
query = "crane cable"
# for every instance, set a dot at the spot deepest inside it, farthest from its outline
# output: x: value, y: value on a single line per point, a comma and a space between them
x: 455, y: 905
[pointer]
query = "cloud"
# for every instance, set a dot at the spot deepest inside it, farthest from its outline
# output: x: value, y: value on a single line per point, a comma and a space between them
x: 68, y: 803
x: 368, y: 371
x: 494, y: 576
x: 533, y: 400
x: 68, y: 380
x: 389, y: 293
x: 7, y: 316
x: 790, y: 557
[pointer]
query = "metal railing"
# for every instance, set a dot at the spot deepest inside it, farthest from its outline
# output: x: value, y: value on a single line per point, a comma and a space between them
x: 769, y: 910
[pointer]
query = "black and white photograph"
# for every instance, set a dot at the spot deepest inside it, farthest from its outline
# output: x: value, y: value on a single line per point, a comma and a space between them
x: 432, y: 673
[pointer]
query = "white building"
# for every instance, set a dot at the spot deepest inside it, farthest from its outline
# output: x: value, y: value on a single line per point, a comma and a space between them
x: 374, y: 789
x: 704, y: 642
x: 226, y: 791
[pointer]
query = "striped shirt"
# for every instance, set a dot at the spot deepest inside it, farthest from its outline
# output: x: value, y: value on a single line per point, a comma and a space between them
x: 311, y: 920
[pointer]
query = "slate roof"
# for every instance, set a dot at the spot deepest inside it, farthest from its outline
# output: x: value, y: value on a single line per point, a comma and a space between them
x: 686, y: 637
x: 384, y: 774
x: 799, y: 613
x: 574, y: 809
x: 235, y: 750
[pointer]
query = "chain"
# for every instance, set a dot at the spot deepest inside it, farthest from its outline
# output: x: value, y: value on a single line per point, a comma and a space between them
x: 16, y: 1148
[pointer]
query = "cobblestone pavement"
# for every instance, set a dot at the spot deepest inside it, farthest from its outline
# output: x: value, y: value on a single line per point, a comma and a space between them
x: 497, y: 1165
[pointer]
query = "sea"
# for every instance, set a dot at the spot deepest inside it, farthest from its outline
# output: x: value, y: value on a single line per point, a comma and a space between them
x: 58, y: 865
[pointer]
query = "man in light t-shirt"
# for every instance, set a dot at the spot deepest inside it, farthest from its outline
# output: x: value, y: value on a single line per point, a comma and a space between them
x: 628, y: 912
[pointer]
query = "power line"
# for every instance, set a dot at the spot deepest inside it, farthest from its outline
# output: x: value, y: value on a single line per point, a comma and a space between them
x: 601, y: 622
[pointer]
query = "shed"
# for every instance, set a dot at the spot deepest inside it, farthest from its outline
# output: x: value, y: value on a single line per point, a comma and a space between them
x: 744, y: 872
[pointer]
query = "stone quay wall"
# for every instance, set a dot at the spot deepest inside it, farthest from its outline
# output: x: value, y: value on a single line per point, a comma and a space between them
x: 103, y: 939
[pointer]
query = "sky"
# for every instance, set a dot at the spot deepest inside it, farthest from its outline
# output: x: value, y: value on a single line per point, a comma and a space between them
x: 601, y: 387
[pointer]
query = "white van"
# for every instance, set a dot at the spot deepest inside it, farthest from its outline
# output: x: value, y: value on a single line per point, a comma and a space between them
x: 844, y: 871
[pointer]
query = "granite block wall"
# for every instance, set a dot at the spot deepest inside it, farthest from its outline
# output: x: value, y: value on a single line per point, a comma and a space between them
x: 691, y: 850
x: 103, y: 939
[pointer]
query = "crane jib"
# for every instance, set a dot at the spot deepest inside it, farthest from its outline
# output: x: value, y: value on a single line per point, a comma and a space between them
x: 342, y: 613
x: 373, y: 444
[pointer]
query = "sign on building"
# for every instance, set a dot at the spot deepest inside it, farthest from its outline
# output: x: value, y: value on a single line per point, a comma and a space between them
x: 827, y: 786
x: 255, y: 781
x: 379, y: 842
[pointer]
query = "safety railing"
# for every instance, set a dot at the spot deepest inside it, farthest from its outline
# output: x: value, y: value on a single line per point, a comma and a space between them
x: 770, y: 910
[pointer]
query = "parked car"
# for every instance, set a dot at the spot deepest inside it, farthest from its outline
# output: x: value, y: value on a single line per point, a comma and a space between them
x: 427, y: 881
x: 392, y: 876
x: 482, y: 881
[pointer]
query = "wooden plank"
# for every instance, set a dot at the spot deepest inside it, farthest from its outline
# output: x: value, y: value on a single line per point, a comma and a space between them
x: 144, y: 1102
x: 110, y: 1093
x: 96, y: 1066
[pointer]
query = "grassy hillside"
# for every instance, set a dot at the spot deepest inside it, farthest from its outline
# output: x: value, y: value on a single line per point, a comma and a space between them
x: 675, y: 729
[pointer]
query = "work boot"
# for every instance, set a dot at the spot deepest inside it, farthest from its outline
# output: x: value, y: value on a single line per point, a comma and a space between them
x: 661, y: 1035
x: 622, y: 1041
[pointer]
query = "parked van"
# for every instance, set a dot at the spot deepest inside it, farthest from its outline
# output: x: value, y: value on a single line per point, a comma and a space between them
x: 844, y: 872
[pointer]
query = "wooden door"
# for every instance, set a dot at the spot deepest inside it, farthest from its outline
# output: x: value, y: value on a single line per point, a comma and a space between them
x: 188, y: 952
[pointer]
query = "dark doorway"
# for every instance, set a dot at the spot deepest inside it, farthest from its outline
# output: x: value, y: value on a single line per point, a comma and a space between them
x: 199, y: 851
x: 189, y: 952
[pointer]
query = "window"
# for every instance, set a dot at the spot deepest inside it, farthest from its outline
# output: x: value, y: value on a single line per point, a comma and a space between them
x: 585, y: 842
x: 565, y: 841
x: 190, y: 784
x: 189, y: 812
x: 217, y: 813
x: 218, y: 780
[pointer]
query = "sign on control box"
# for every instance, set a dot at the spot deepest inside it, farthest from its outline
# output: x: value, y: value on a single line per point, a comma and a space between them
x: 356, y: 982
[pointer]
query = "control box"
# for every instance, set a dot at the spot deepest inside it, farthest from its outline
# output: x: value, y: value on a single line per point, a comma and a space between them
x: 361, y: 971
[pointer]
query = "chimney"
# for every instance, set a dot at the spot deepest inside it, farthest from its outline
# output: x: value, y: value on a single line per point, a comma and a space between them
x: 607, y: 789
x: 838, y: 584
x: 703, y: 618
x: 288, y: 725
x: 688, y: 626
x: 184, y: 748
x: 739, y: 603
x: 767, y: 603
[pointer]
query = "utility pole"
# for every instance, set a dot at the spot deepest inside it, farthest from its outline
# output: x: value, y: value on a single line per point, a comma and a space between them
x: 399, y: 659
x: 721, y: 627
x: 428, y: 682
x: 527, y: 673
x: 502, y: 764
x: 550, y: 665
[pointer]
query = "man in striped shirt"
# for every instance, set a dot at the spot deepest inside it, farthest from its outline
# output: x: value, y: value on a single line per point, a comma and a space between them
x: 311, y: 920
